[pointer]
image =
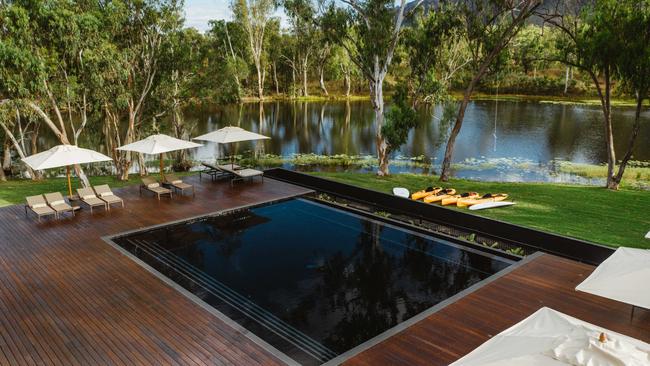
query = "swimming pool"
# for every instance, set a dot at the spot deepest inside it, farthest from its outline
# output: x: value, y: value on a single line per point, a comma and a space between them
x: 311, y: 280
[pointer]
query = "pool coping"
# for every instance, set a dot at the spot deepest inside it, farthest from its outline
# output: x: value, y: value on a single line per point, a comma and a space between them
x: 340, y: 359
x: 218, y: 314
x: 262, y: 343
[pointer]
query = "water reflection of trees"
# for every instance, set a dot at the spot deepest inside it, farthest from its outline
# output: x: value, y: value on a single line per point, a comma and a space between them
x: 378, y: 285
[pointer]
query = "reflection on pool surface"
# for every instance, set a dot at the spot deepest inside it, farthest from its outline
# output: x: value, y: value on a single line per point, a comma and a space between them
x: 311, y: 280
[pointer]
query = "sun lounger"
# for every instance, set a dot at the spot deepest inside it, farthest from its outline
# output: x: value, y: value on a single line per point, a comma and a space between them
x: 177, y: 183
x: 152, y: 185
x: 38, y: 205
x: 89, y: 197
x: 216, y: 171
x: 242, y: 174
x: 57, y: 203
x: 105, y: 194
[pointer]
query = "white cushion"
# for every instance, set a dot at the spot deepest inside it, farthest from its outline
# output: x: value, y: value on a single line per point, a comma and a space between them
x: 89, y: 196
x: 56, y: 203
x: 153, y: 185
x: 177, y: 181
x: 105, y: 194
x: 39, y: 205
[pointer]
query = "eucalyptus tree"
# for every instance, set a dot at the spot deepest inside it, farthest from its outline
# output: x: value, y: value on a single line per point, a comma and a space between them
x: 302, y: 14
x: 226, y: 57
x: 633, y: 67
x: 427, y: 43
x: 400, y: 119
x: 603, y: 39
x: 137, y: 30
x: 489, y: 25
x: 181, y: 60
x: 274, y: 51
x: 254, y: 16
x: 59, y: 48
x: 370, y: 31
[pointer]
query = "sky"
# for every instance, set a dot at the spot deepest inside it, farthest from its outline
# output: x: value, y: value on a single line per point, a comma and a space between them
x: 199, y: 12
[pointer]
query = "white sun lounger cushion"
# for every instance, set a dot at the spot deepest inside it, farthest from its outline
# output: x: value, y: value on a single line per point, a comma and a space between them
x: 178, y: 181
x: 39, y: 205
x: 105, y: 194
x: 153, y: 185
x: 89, y: 196
x: 56, y: 203
x: 248, y: 173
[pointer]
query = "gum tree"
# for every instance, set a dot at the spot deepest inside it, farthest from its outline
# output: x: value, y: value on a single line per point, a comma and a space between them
x: 605, y: 39
x: 370, y: 31
x: 254, y: 16
x: 489, y: 25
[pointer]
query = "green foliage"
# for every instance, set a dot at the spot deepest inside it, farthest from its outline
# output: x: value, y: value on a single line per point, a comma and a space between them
x: 426, y: 41
x: 400, y: 119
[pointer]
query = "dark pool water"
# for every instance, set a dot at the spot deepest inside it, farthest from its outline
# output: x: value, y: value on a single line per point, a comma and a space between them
x: 311, y: 280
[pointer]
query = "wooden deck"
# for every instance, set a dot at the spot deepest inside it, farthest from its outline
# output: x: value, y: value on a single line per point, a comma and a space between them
x: 457, y: 329
x: 69, y: 298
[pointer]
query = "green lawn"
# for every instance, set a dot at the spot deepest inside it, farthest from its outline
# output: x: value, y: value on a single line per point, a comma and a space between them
x: 14, y: 191
x: 591, y: 213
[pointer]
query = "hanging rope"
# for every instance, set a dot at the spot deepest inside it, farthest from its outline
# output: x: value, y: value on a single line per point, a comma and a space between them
x: 496, y: 113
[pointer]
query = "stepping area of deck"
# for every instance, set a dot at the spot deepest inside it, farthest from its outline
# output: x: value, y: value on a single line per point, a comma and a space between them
x: 67, y: 297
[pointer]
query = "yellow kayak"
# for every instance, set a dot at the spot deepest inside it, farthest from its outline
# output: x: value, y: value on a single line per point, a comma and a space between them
x: 445, y: 193
x: 425, y: 193
x: 453, y: 199
x: 489, y: 197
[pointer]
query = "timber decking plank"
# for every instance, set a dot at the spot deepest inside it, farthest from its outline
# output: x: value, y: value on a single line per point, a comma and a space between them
x: 70, y: 298
x: 465, y: 324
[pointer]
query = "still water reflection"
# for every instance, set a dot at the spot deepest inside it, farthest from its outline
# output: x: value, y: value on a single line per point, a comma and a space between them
x: 525, y: 130
x: 520, y: 142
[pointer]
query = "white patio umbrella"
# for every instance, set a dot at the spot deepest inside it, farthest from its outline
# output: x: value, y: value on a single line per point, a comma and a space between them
x: 229, y: 135
x: 64, y: 155
x: 551, y: 338
x: 159, y: 144
x: 624, y: 276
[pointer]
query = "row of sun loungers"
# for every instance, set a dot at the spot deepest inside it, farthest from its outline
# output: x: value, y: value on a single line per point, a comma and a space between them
x: 53, y: 204
x: 102, y: 196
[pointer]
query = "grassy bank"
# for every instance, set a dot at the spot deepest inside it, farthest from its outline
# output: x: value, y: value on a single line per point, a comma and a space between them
x: 551, y: 99
x: 589, y: 213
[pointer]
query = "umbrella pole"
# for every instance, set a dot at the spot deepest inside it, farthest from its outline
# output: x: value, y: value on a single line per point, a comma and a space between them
x: 67, y: 173
x: 162, y: 173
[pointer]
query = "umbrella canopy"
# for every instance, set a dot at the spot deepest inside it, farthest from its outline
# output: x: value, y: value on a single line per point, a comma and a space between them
x: 231, y: 134
x: 624, y: 276
x: 159, y: 144
x: 550, y: 338
x: 64, y: 155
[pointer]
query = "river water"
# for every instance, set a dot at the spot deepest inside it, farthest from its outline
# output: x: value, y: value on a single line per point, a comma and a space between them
x: 513, y: 141
x: 509, y: 141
